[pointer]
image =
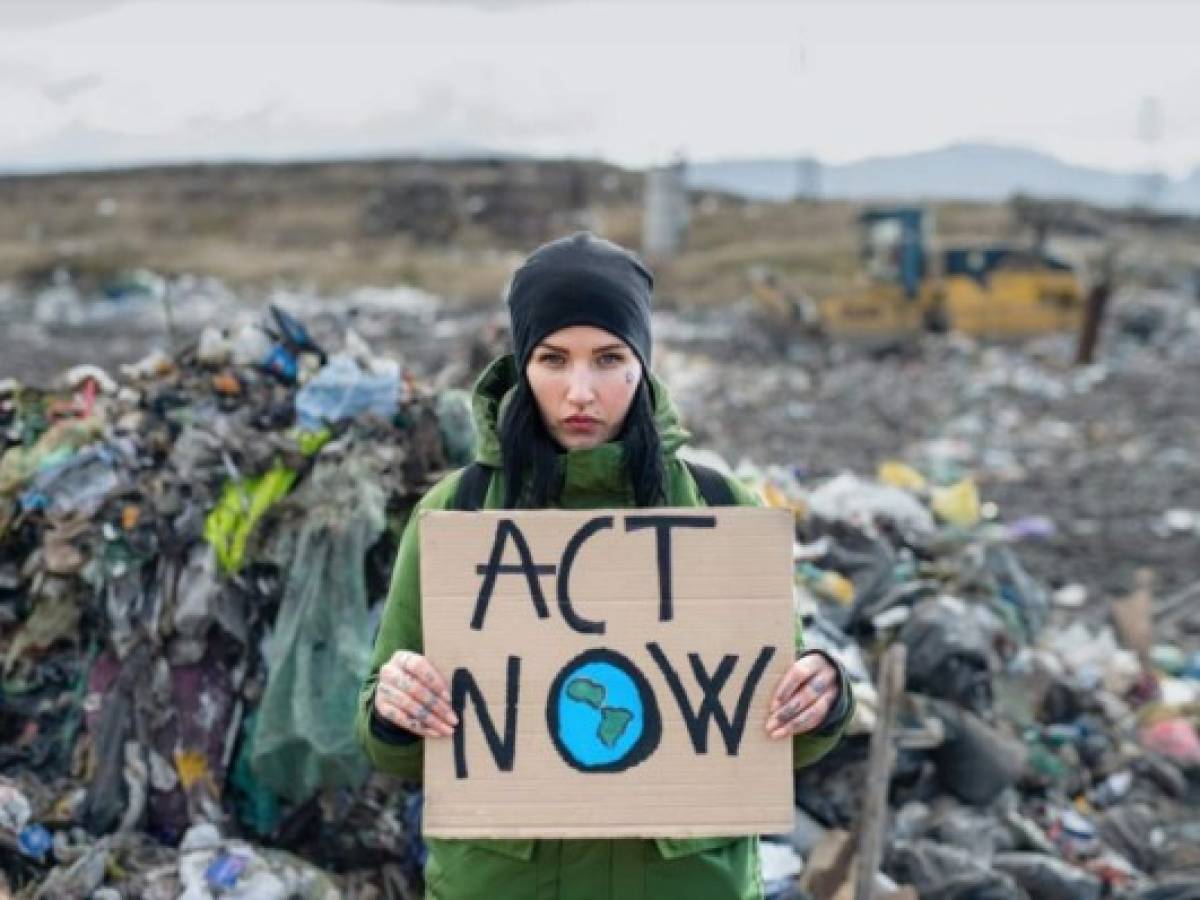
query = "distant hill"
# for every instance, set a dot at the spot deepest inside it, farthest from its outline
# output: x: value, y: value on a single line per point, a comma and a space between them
x: 957, y: 172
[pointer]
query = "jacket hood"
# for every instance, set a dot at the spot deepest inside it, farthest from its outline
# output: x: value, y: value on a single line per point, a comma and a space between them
x: 496, y: 384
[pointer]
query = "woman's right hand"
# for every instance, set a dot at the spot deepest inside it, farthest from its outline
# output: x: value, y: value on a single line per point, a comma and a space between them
x: 412, y: 693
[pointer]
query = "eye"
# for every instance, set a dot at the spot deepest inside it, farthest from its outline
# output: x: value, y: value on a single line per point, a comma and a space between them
x: 551, y: 358
x: 610, y: 359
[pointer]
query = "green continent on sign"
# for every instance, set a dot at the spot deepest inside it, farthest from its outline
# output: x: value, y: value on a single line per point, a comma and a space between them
x: 613, y: 722
x: 586, y: 691
x: 613, y: 719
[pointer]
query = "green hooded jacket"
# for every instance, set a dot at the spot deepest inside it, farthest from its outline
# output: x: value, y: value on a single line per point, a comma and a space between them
x: 723, y: 868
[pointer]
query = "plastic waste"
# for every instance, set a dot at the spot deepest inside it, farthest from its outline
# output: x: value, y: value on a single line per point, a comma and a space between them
x: 250, y: 346
x: 828, y: 585
x: 1074, y: 835
x: 948, y: 654
x: 780, y: 865
x: 79, y: 484
x: 940, y: 872
x: 1071, y: 596
x: 223, y: 872
x: 975, y: 762
x: 1175, y: 738
x: 457, y: 426
x: 242, y: 505
x: 1170, y: 659
x: 211, y: 868
x: 1135, y: 831
x: 213, y: 348
x: 282, y: 363
x: 848, y: 498
x: 35, y: 842
x: 77, y: 377
x: 1113, y: 789
x: 901, y: 475
x: 293, y: 333
x: 1048, y: 878
x: 341, y: 391
x: 56, y: 445
x: 14, y: 808
x: 957, y: 504
x: 304, y: 737
x: 1032, y: 528
x: 1094, y: 658
x: 1027, y: 601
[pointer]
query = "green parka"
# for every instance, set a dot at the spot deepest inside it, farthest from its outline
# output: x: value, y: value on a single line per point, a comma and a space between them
x: 724, y: 868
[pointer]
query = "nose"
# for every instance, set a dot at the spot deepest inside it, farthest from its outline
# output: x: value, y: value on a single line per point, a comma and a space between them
x: 580, y: 388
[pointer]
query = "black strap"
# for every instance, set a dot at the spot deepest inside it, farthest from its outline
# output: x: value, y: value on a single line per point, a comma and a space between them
x: 476, y: 478
x: 472, y: 488
x: 712, y: 484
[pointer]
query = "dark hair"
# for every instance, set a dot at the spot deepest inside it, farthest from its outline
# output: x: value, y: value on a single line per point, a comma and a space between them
x: 531, y: 454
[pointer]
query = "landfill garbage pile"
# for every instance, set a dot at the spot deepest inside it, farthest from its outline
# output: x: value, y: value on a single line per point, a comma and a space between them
x: 1101, y: 462
x: 186, y: 545
x: 190, y: 558
x: 1039, y: 755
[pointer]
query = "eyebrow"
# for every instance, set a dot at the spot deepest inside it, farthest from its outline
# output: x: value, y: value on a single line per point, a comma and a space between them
x: 545, y: 345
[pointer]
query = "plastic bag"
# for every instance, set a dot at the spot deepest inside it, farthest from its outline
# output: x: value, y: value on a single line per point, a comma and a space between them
x: 342, y: 390
x: 242, y: 505
x: 318, y: 654
x: 1048, y: 878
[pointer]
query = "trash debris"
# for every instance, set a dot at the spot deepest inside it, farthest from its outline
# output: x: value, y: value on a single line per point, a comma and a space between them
x: 185, y: 591
x: 1033, y: 734
x: 184, y: 547
x: 342, y: 391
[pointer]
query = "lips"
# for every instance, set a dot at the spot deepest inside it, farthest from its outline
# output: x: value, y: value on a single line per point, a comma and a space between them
x: 580, y: 423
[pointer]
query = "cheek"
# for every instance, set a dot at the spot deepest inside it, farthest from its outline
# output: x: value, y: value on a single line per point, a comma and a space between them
x: 618, y: 395
x: 544, y: 386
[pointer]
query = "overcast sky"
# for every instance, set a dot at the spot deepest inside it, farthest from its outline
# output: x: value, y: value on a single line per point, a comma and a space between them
x: 95, y: 82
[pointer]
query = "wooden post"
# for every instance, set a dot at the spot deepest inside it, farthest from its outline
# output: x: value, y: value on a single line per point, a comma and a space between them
x: 872, y: 824
x: 1094, y: 312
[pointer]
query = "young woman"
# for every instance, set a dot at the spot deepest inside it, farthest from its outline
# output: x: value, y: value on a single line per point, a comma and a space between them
x: 574, y: 419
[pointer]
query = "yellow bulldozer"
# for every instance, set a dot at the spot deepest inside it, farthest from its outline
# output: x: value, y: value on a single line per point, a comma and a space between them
x: 988, y: 290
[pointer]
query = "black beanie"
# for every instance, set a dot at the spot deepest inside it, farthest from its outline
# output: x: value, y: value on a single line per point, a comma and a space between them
x: 581, y: 280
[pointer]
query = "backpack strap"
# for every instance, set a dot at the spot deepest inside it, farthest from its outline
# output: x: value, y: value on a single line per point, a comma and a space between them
x: 472, y: 488
x: 712, y: 485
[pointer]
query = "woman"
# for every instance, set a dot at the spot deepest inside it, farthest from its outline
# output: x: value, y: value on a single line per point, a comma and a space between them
x: 573, y: 419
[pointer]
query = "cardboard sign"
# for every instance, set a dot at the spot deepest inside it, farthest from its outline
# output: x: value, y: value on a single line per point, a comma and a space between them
x: 611, y: 671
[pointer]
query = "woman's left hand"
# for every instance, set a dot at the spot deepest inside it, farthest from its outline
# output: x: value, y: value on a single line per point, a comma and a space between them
x: 806, y: 694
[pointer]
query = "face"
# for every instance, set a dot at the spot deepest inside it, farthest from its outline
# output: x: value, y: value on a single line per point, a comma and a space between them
x: 583, y: 379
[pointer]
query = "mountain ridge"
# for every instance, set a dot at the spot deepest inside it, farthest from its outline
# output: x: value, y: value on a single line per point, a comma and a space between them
x: 957, y: 171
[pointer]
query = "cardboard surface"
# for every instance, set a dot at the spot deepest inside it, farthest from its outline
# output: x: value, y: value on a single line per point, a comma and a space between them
x: 594, y: 718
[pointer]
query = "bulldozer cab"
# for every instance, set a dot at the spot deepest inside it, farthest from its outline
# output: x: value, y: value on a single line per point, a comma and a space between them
x: 893, y: 241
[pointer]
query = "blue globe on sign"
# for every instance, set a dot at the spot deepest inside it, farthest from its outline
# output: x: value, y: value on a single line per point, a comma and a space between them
x: 602, y: 714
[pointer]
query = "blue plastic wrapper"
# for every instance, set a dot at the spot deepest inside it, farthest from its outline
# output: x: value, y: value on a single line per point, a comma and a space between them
x: 281, y: 362
x: 342, y: 391
x: 35, y: 842
x: 225, y: 870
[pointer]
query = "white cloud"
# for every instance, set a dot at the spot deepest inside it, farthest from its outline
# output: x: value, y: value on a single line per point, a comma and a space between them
x: 633, y: 82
